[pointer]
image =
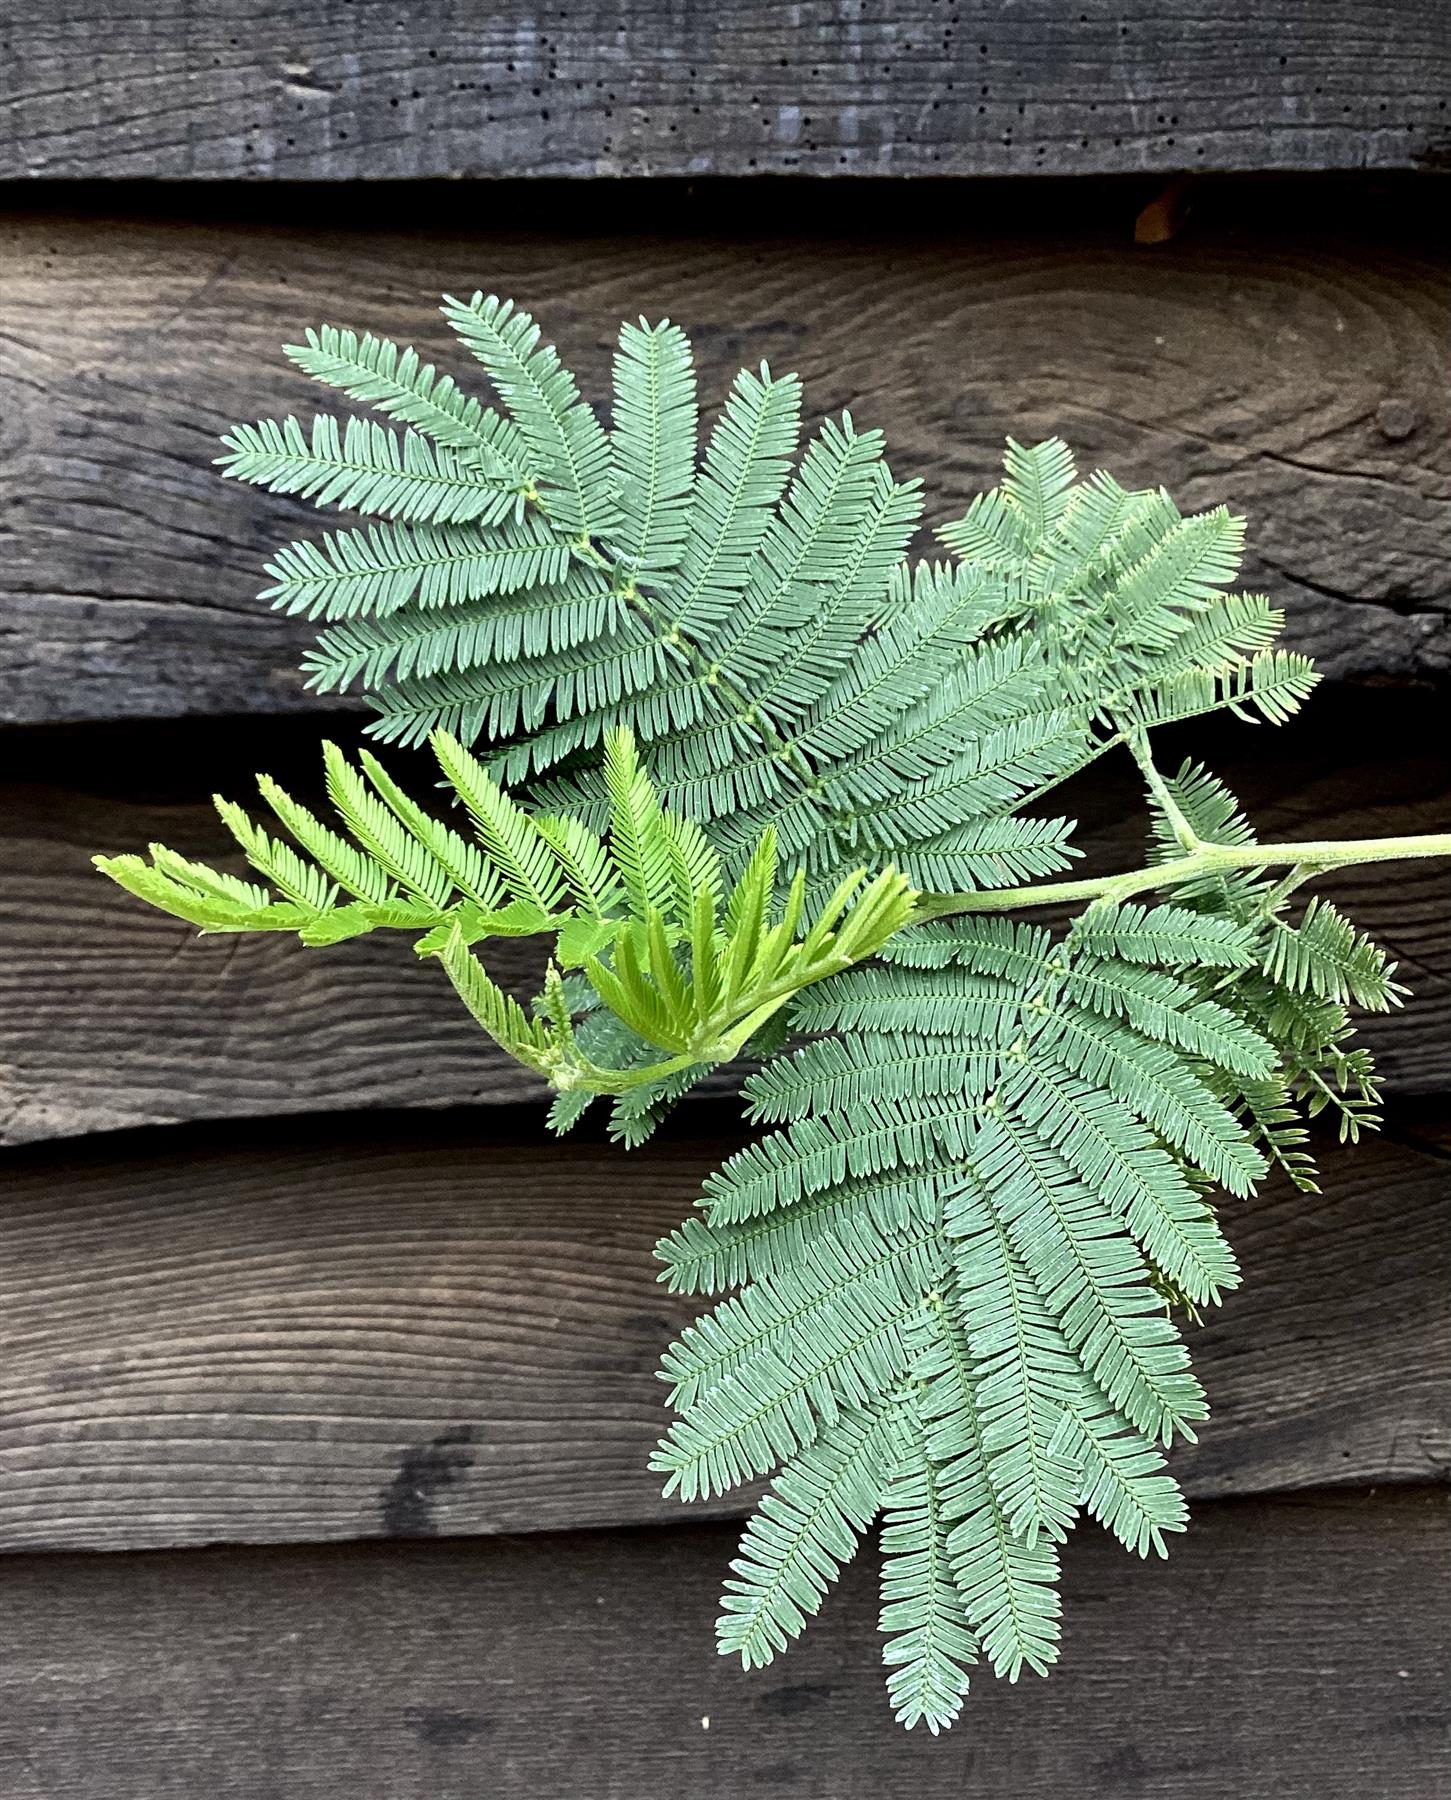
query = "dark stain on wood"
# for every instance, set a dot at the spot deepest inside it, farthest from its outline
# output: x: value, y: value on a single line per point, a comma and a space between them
x: 442, y: 1727
x: 406, y: 1504
x: 792, y: 1701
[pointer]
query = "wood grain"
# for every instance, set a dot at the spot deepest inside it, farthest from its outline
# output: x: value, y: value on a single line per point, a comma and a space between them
x: 193, y: 89
x: 1302, y: 378
x: 446, y: 1330
x: 1287, y: 1651
x: 112, y: 1015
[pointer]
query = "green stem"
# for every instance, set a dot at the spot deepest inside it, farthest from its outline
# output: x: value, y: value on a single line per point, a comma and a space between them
x: 578, y: 1072
x: 667, y: 631
x: 1188, y: 838
x: 719, y: 1041
x: 1209, y: 859
x: 1281, y: 891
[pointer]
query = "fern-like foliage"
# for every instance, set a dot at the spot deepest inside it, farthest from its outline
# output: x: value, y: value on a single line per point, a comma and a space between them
x: 950, y: 1271
x: 1297, y: 992
x: 676, y: 964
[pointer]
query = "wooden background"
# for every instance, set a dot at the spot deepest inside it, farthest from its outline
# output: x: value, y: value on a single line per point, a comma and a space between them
x: 325, y: 1387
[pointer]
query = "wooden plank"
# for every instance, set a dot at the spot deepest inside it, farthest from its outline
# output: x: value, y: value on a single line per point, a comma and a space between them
x: 639, y: 87
x: 1295, y: 1649
x: 1302, y: 378
x: 112, y: 1015
x: 455, y: 1330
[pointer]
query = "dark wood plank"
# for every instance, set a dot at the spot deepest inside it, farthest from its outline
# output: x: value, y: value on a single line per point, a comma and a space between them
x: 1301, y: 378
x: 455, y: 1330
x: 118, y: 1016
x: 113, y: 1015
x: 1294, y: 1650
x: 186, y: 89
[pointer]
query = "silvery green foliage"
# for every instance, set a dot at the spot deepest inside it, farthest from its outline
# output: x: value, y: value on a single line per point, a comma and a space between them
x: 989, y: 1180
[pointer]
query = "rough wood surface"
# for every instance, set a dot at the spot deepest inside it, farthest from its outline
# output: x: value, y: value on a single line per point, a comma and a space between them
x: 1287, y: 1651
x: 113, y: 1015
x: 450, y: 1331
x: 290, y: 89
x: 1303, y: 378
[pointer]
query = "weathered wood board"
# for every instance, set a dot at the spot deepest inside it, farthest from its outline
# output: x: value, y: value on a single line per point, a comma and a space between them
x: 1301, y: 377
x: 113, y: 1015
x: 1294, y: 1650
x: 286, y: 1261
x: 397, y: 89
x: 447, y: 1329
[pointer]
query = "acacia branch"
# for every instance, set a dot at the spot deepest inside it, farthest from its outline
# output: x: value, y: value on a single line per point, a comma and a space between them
x: 1315, y: 856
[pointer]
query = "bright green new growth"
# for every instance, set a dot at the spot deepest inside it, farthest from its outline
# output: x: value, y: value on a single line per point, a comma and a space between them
x: 988, y: 1183
x: 679, y: 966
